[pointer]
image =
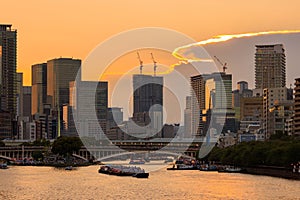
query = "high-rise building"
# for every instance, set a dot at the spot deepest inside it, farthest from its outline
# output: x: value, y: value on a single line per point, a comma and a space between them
x: 197, y: 104
x: 60, y: 72
x: 219, y: 86
x: 87, y: 97
x: 26, y: 101
x: 241, y: 91
x: 8, y: 69
x: 188, y: 117
x: 297, y: 107
x: 19, y: 95
x: 148, y: 100
x: 218, y: 97
x: 242, y: 85
x: 270, y: 66
x: 114, y: 116
x: 39, y: 87
x: 274, y: 98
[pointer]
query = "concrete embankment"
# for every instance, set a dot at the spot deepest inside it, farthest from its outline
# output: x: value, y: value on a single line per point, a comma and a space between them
x: 281, y: 172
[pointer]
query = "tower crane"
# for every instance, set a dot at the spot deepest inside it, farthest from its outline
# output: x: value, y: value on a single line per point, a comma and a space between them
x: 141, y: 62
x: 223, y: 65
x: 154, y: 62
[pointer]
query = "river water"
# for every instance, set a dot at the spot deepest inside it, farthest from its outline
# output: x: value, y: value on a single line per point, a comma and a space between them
x: 28, y: 182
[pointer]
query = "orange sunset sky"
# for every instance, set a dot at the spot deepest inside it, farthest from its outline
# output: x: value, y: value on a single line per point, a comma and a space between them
x: 73, y: 28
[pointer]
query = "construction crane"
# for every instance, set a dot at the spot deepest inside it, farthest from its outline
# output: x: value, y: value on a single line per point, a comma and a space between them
x: 141, y: 62
x: 223, y: 65
x: 154, y: 62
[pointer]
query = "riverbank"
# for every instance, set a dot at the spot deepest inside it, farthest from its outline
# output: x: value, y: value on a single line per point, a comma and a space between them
x: 42, y: 164
x: 280, y: 172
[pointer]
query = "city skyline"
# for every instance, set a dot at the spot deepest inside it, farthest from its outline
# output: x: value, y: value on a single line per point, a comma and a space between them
x: 199, y: 99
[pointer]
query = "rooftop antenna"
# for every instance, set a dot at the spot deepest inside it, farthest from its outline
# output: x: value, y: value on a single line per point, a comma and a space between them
x: 154, y: 62
x: 223, y: 65
x: 141, y: 62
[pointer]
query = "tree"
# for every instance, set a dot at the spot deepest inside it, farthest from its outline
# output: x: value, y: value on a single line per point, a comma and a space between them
x: 2, y: 144
x: 66, y: 145
x: 37, y: 155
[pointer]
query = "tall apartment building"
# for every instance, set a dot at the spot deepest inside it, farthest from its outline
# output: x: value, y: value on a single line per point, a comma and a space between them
x: 270, y: 66
x: 297, y: 107
x: 8, y: 69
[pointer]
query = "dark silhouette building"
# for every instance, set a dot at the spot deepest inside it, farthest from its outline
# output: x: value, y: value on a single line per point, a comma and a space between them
x: 148, y: 100
x: 8, y: 68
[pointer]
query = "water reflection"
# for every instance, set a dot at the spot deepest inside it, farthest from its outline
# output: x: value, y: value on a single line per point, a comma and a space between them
x: 86, y: 183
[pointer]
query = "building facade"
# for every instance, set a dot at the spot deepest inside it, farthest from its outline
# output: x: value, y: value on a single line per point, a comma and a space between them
x: 148, y: 100
x: 297, y: 107
x: 8, y: 69
x: 270, y: 66
x: 60, y: 72
x: 277, y: 108
x: 197, y: 104
x: 39, y: 87
x: 87, y: 97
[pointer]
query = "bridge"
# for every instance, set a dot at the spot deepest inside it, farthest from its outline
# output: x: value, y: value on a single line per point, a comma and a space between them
x: 19, y: 152
x: 168, y: 146
x: 5, y: 158
x: 146, y: 153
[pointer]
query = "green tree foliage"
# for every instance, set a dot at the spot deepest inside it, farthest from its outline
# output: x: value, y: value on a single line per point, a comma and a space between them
x: 2, y: 144
x: 271, y: 153
x: 66, y: 145
x: 37, y: 155
x: 42, y: 142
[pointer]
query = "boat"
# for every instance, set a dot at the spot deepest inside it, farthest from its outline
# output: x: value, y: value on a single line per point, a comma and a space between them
x: 209, y: 168
x: 231, y: 170
x: 69, y: 168
x: 119, y: 170
x: 137, y: 162
x: 3, y: 166
x: 183, y: 167
x: 183, y: 164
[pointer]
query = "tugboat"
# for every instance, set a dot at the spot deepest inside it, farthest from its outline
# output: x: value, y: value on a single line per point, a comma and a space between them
x: 119, y: 170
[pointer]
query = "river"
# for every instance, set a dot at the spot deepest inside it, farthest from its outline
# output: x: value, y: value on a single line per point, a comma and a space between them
x: 28, y: 182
